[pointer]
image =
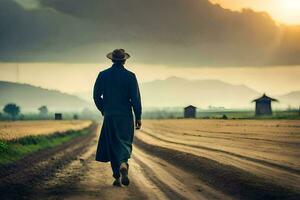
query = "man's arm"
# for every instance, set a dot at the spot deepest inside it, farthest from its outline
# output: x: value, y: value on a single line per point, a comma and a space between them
x: 98, y: 93
x: 135, y: 98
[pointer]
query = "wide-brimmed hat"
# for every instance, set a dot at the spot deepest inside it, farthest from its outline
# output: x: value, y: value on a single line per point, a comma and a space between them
x: 118, y: 54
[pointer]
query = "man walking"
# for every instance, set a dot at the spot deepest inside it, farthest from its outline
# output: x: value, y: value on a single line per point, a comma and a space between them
x: 116, y: 92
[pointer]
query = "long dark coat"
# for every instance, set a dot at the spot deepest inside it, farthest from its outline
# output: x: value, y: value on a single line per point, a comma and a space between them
x: 116, y: 92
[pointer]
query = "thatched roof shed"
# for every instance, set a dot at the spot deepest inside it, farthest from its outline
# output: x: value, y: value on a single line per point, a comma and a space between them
x: 263, y: 105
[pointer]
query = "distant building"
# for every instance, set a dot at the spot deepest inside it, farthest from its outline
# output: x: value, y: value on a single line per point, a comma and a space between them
x: 263, y: 105
x: 58, y: 116
x: 190, y: 112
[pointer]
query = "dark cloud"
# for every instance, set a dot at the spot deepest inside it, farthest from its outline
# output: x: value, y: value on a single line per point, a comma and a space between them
x: 38, y: 34
x: 191, y: 32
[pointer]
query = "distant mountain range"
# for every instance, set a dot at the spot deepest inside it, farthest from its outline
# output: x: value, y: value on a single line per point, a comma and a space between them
x: 30, y: 98
x: 171, y: 92
x: 291, y: 99
x: 176, y: 91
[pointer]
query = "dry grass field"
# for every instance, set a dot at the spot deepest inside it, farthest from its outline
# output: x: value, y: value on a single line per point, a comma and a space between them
x: 19, y: 129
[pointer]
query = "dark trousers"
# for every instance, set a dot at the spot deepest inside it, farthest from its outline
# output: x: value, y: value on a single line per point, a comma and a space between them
x: 115, y: 166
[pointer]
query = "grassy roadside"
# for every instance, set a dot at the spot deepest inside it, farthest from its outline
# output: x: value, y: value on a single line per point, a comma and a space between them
x: 11, y: 151
x: 225, y: 114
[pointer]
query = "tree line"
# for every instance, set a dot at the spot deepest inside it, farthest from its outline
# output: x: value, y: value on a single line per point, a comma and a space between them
x: 13, y: 111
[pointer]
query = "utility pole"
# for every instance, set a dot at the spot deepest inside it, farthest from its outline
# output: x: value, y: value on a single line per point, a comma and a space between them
x: 18, y: 73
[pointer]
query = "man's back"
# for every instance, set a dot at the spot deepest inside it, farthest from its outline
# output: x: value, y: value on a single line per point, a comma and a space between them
x: 116, y: 91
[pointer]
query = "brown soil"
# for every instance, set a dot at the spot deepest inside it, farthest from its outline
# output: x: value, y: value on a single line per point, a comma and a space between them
x: 17, y: 181
x: 167, y: 167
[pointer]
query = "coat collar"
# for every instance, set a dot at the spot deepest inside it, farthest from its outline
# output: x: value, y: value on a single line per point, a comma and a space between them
x: 117, y: 65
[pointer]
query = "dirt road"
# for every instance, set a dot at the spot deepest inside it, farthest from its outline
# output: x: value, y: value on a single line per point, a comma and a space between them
x: 163, y: 166
x: 151, y: 178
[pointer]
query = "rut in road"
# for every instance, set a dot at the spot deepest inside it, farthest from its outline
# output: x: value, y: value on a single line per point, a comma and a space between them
x: 233, y: 181
x: 151, y: 178
x: 157, y: 171
x: 18, y: 180
x: 280, y: 174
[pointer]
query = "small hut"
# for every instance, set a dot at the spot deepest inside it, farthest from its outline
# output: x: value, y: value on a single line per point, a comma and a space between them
x: 190, y: 112
x: 58, y: 116
x: 263, y: 105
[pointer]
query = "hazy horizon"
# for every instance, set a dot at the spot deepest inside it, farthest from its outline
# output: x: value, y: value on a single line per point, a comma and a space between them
x: 76, y: 78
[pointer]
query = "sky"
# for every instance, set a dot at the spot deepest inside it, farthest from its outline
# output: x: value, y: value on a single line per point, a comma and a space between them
x: 283, y: 11
x: 156, y: 32
x: 61, y: 44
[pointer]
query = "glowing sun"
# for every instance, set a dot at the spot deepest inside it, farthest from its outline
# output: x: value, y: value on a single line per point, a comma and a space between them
x: 290, y: 11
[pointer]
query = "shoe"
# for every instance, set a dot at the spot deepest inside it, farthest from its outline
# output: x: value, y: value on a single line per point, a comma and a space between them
x: 124, y: 174
x: 117, y: 183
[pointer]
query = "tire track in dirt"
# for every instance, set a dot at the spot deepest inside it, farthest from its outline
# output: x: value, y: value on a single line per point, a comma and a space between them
x: 168, y: 192
x: 18, y: 180
x: 87, y: 179
x: 229, y: 179
x: 156, y: 172
x: 272, y: 175
x: 254, y: 160
x: 84, y: 178
x: 226, y: 135
x: 161, y: 173
x: 172, y: 181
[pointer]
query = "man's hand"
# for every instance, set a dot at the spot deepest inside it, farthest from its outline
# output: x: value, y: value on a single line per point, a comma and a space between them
x: 138, y: 124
